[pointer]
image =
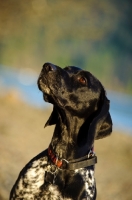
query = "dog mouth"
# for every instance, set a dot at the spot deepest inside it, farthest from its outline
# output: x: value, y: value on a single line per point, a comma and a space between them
x: 47, y: 93
x: 43, y: 87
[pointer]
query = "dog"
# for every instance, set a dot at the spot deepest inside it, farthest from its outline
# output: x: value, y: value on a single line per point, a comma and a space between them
x: 65, y: 170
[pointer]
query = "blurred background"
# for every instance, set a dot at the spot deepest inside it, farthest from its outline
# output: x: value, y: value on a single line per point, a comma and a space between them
x: 93, y: 35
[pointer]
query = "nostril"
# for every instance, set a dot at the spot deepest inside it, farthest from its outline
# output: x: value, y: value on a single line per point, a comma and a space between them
x: 49, y: 67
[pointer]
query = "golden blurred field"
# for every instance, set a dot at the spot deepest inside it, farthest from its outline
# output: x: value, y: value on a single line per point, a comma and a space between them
x: 22, y: 137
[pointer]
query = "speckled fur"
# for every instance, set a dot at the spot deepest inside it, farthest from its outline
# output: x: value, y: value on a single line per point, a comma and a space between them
x: 89, y: 181
x: 31, y: 183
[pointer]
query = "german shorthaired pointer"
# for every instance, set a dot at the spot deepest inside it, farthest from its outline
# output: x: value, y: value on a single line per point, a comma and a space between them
x: 65, y: 171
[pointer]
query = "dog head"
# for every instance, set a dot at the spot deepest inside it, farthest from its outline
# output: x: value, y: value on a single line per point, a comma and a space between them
x: 79, y: 93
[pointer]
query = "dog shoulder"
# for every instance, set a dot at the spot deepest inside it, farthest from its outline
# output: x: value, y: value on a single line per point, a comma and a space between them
x: 31, y: 177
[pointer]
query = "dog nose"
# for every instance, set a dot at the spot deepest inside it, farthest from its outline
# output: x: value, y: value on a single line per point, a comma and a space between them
x: 49, y: 67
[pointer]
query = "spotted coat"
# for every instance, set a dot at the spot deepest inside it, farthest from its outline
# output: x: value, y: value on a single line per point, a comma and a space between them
x: 31, y: 182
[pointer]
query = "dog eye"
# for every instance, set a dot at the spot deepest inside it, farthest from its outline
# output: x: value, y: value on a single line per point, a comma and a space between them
x: 82, y: 80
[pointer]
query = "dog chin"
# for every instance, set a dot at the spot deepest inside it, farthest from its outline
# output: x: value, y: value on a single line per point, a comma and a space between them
x: 44, y: 89
x: 48, y: 98
x: 45, y: 97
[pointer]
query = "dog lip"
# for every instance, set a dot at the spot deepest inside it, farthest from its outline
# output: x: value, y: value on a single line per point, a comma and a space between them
x: 43, y: 87
x: 39, y: 84
x: 47, y: 91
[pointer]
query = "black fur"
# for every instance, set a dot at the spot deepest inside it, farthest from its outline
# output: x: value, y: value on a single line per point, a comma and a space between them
x: 81, y: 115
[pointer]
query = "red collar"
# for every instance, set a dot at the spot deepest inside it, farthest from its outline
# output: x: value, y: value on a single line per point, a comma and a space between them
x: 54, y: 158
x: 85, y: 161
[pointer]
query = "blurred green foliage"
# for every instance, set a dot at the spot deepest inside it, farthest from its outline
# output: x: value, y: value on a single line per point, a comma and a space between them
x: 95, y: 35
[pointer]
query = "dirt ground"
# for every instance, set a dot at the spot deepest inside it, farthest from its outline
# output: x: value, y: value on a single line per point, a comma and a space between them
x: 22, y: 136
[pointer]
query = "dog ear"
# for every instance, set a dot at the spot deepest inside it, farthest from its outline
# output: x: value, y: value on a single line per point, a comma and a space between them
x: 101, y: 125
x: 103, y: 121
x: 53, y: 119
x: 105, y: 129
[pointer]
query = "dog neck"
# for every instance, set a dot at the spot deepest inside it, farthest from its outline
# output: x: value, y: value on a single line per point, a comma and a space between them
x: 65, y: 138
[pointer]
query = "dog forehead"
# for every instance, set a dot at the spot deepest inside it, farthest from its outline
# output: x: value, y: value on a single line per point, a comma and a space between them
x: 72, y: 69
x: 76, y: 70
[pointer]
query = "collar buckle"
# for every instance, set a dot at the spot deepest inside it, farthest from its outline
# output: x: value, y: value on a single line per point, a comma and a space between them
x: 91, y: 153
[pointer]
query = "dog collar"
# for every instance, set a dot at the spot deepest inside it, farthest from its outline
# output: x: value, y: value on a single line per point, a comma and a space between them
x: 85, y: 161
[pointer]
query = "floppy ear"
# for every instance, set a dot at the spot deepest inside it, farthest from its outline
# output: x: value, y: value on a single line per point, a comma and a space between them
x: 101, y: 125
x: 53, y: 119
x: 105, y: 129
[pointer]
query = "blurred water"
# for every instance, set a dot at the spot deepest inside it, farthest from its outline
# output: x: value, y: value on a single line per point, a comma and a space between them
x: 121, y: 111
x: 25, y: 82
